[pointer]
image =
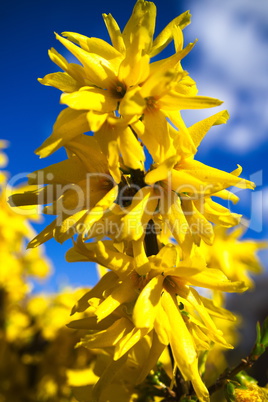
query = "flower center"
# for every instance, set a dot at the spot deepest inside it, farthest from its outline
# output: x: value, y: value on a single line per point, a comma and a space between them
x: 118, y: 90
x: 151, y: 103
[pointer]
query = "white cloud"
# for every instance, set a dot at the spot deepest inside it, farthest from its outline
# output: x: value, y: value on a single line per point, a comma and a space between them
x: 233, y: 66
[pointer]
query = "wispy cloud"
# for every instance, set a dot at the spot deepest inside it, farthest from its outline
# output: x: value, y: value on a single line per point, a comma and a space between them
x: 233, y: 66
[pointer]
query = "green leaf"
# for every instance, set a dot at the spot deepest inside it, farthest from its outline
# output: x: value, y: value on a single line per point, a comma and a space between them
x: 229, y: 391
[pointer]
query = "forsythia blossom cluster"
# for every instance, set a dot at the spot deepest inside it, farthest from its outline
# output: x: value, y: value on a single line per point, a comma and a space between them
x: 136, y: 200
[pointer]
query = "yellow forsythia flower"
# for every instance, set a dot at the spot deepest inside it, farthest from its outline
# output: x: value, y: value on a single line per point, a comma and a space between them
x: 253, y: 393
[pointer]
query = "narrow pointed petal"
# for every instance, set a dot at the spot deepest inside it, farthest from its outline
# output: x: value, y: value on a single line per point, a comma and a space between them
x: 90, y: 98
x: 56, y: 173
x: 156, y: 350
x: 180, y: 339
x: 175, y: 219
x: 114, y: 33
x: 106, y: 282
x: 165, y: 36
x: 62, y: 81
x: 69, y: 124
x: 183, y: 348
x: 199, y: 130
x: 108, y: 337
x: 208, y: 278
x: 141, y: 260
x: 99, y: 70
x: 93, y: 45
x: 123, y: 293
x: 162, y: 171
x: 45, y: 235
x: 175, y: 101
x: 97, y: 212
x: 148, y: 302
x: 128, y: 341
x: 107, y: 377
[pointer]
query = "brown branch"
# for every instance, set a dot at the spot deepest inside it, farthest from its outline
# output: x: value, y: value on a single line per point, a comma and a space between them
x: 229, y: 374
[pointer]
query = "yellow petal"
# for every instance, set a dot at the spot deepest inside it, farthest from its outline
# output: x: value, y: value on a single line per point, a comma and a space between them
x: 140, y: 27
x: 96, y: 119
x: 56, y: 174
x: 158, y: 83
x: 198, y: 130
x: 183, y: 142
x: 90, y: 98
x: 99, y: 70
x: 217, y: 311
x: 198, y: 224
x: 107, y: 378
x: 174, y: 218
x: 137, y: 35
x: 156, y: 136
x: 125, y: 292
x: 175, y: 101
x: 58, y: 59
x: 128, y: 341
x: 183, y: 348
x: 171, y: 63
x: 107, y: 281
x: 62, y: 81
x: 208, y: 278
x: 220, y: 215
x: 162, y: 326
x: 132, y: 103
x: 180, y: 339
x: 69, y: 124
x: 37, y: 196
x: 107, y: 138
x: 100, y: 252
x: 66, y: 226
x: 108, y: 337
x: 131, y: 149
x: 89, y: 152
x: 183, y: 181
x: 213, y: 179
x: 91, y: 323
x: 215, y: 334
x: 162, y: 171
x: 227, y: 195
x: 155, y: 352
x: 132, y: 227
x: 93, y: 45
x: 114, y: 33
x: 97, y: 212
x: 148, y: 302
x: 167, y: 257
x: 165, y: 36
x: 45, y: 235
x: 141, y: 260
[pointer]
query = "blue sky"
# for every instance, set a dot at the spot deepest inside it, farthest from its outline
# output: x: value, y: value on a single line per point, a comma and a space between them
x: 230, y: 62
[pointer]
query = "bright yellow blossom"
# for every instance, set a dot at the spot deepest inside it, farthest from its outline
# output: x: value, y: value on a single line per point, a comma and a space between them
x: 234, y: 256
x: 253, y: 393
x: 162, y: 300
x: 119, y: 79
x: 16, y: 263
x: 74, y: 187
x: 93, y: 90
x: 179, y: 196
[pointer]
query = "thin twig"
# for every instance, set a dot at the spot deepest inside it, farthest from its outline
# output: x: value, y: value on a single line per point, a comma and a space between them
x: 229, y: 374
